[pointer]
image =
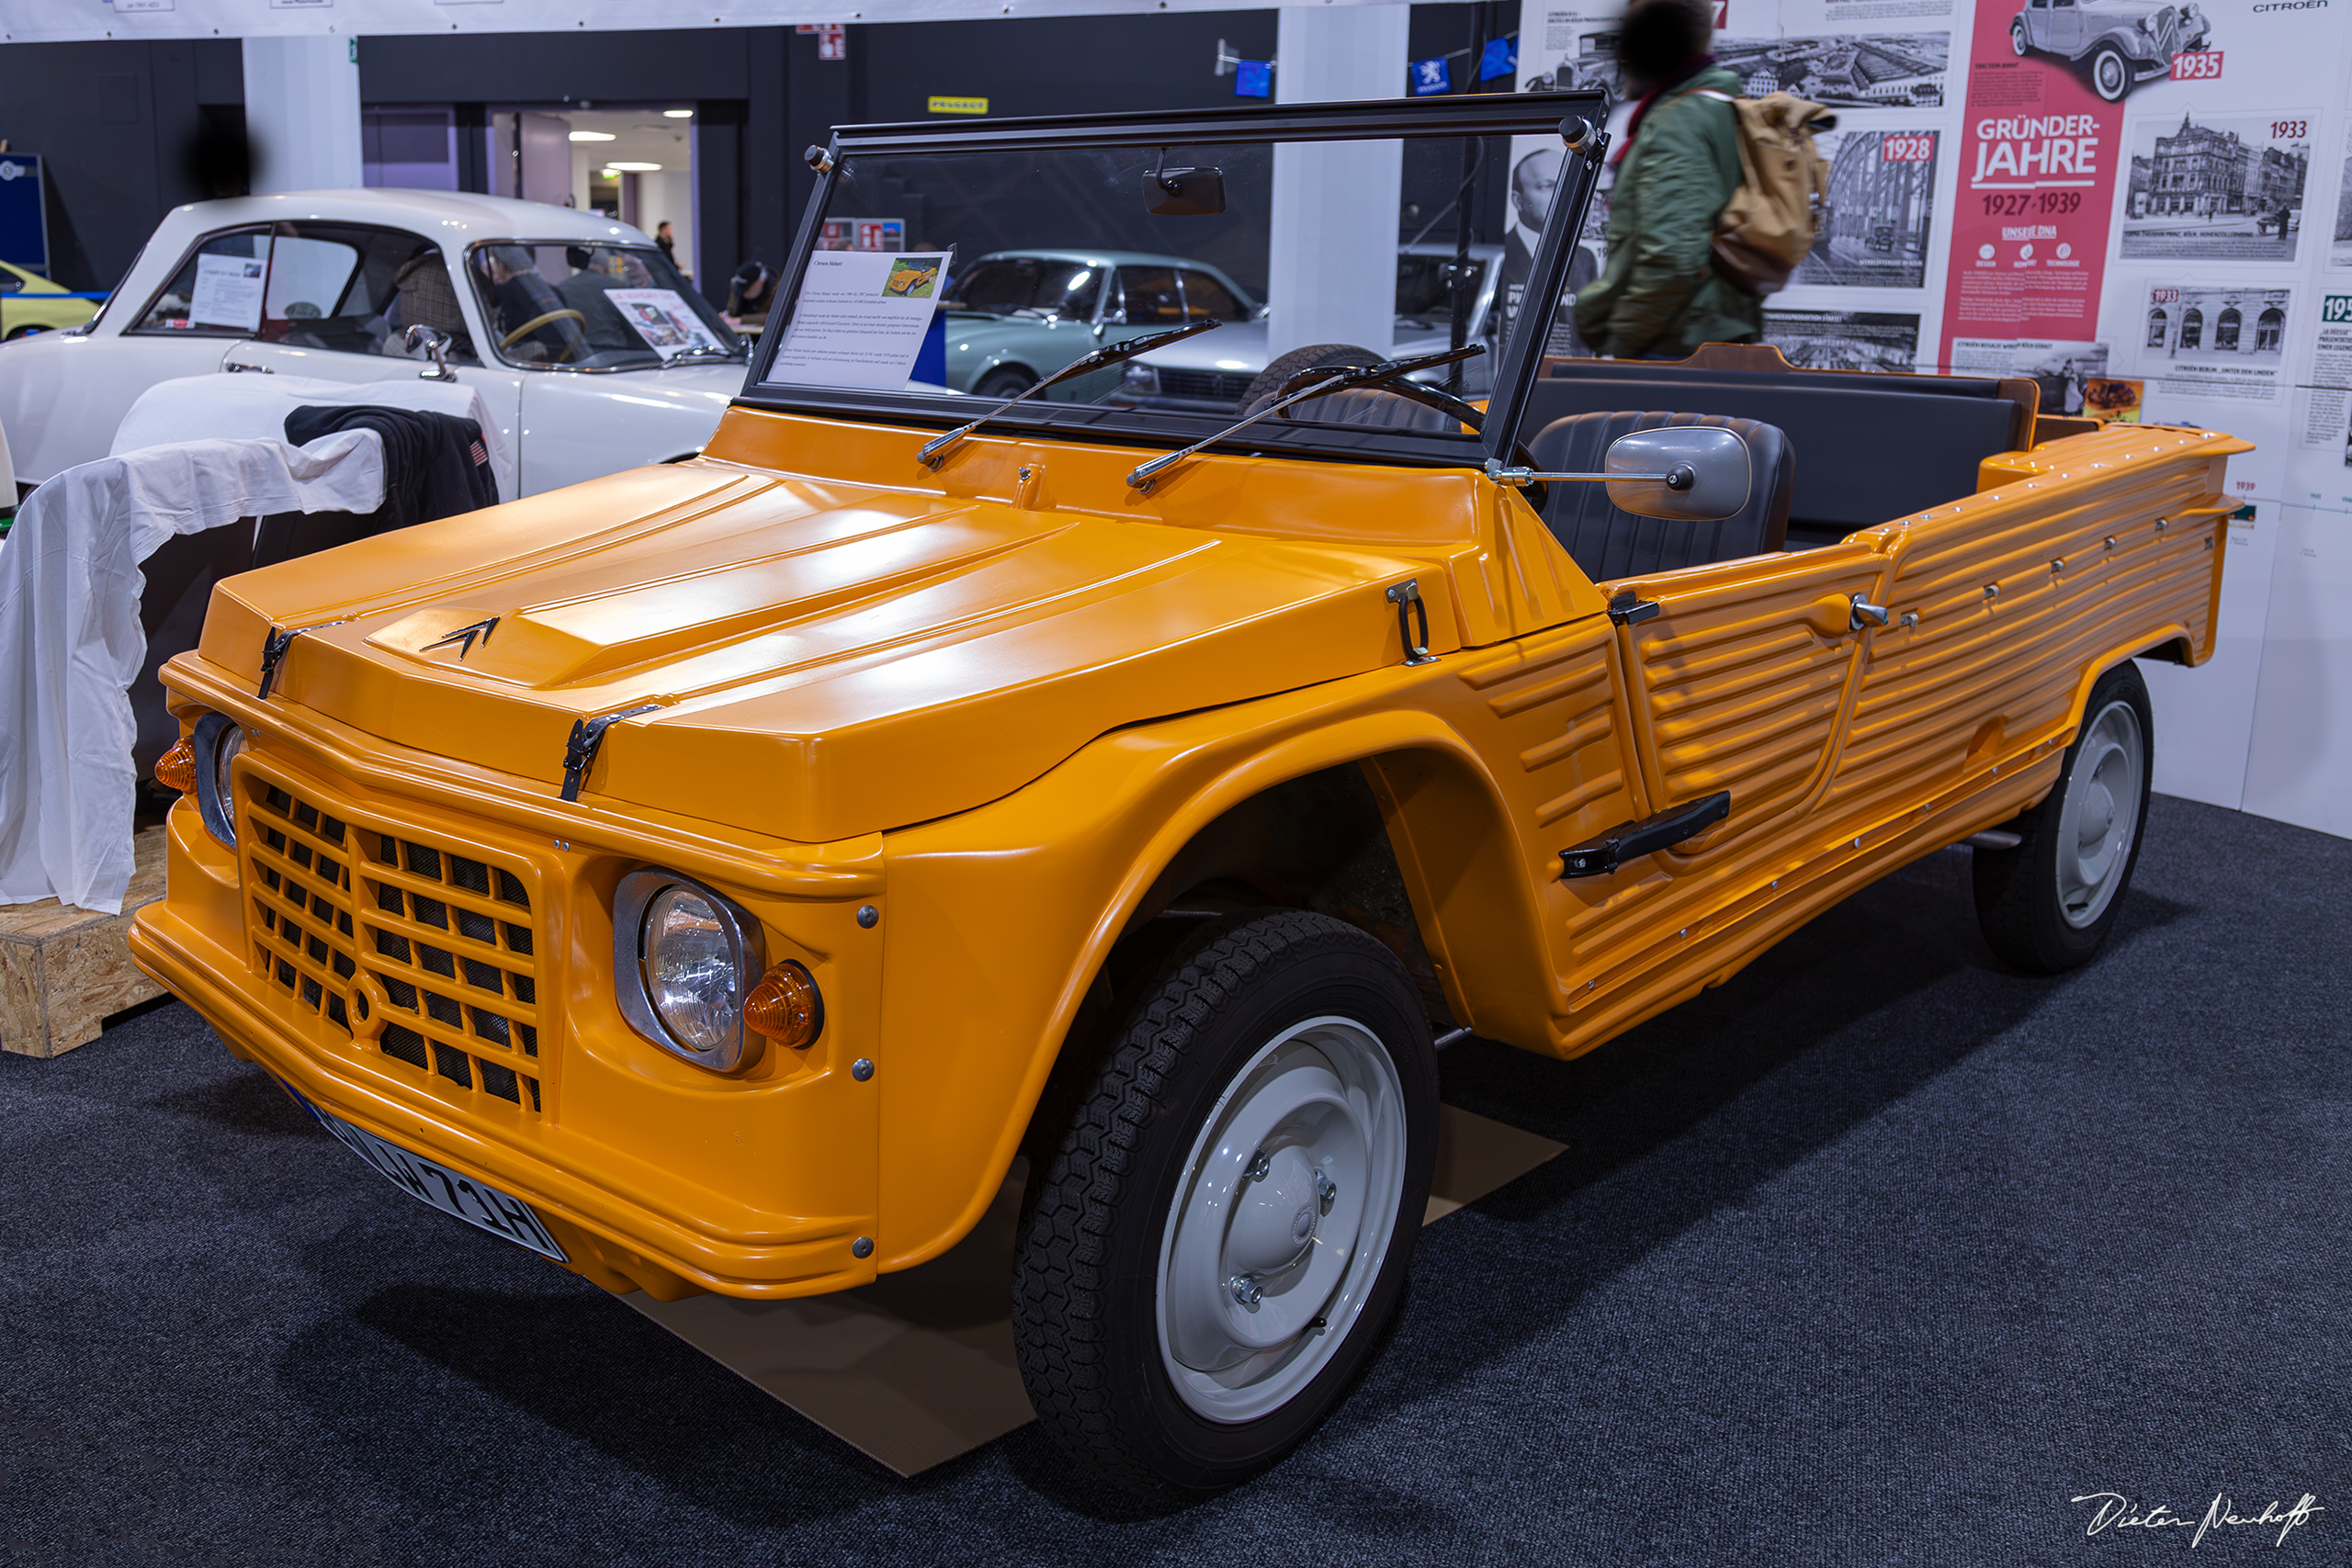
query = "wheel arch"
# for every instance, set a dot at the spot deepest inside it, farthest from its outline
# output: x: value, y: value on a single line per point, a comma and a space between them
x: 1433, y: 798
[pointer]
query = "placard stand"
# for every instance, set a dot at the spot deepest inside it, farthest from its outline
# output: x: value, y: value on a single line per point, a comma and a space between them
x: 918, y: 1367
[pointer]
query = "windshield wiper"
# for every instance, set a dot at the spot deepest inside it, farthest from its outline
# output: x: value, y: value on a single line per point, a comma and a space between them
x: 1320, y: 385
x: 936, y: 452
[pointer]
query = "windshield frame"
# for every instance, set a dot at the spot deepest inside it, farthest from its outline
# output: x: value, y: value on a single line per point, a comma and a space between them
x: 496, y: 356
x: 1493, y: 114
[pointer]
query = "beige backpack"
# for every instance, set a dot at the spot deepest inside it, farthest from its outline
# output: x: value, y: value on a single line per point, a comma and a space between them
x: 1784, y: 196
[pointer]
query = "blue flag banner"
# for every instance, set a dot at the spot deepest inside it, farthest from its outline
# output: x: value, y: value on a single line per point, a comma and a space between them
x: 1502, y: 58
x: 1253, y: 79
x: 1426, y: 76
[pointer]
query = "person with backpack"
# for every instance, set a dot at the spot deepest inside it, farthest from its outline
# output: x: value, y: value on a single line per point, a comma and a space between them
x: 1662, y: 294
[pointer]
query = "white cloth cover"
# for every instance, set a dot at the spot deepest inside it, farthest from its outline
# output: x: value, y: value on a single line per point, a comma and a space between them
x: 235, y: 405
x: 70, y: 642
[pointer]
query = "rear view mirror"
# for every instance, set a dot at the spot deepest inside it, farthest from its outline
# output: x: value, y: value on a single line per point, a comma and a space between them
x: 1184, y: 193
x: 1696, y: 473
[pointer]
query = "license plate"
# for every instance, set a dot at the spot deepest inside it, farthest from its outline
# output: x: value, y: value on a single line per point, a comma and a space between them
x: 475, y: 1203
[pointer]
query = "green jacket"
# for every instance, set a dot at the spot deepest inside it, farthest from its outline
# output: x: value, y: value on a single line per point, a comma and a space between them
x: 1660, y: 292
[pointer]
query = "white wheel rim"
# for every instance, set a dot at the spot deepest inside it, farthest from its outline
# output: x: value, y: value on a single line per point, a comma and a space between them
x: 2110, y: 76
x: 1321, y: 1099
x: 2100, y: 815
x: 2017, y: 37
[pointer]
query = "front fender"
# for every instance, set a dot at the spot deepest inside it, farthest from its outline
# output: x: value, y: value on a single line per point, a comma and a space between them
x: 999, y: 919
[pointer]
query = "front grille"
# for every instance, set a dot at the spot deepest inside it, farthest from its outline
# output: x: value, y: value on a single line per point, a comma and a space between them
x: 447, y: 936
x: 1203, y: 384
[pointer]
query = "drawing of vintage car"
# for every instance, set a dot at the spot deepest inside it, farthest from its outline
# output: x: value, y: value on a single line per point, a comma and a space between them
x: 2126, y: 41
x: 910, y: 803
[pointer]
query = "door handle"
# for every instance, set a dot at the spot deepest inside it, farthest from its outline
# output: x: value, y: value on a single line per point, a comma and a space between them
x: 1866, y: 613
x: 1601, y: 856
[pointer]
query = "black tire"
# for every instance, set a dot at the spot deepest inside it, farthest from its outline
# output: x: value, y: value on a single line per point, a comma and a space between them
x: 2022, y: 898
x: 2111, y: 73
x: 1004, y: 381
x: 1086, y: 1289
x: 1313, y: 356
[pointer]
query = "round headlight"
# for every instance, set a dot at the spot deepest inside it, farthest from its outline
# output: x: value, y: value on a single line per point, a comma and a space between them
x: 690, y: 970
x: 225, y: 751
x: 217, y: 741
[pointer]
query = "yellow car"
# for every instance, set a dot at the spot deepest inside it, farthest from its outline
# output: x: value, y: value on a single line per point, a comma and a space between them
x: 716, y: 876
x: 31, y: 303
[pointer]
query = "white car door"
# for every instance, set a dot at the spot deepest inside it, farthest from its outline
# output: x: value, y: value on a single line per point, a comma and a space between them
x: 339, y: 299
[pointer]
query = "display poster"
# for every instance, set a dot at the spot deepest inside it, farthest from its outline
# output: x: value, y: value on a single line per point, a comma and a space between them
x: 228, y: 292
x: 2144, y: 208
x: 668, y: 326
x: 860, y: 318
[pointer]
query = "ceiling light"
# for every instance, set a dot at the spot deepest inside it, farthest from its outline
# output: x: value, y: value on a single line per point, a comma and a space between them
x: 679, y: 114
x: 632, y: 168
x: 594, y: 136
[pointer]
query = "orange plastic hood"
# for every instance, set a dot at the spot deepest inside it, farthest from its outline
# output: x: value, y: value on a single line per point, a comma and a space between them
x: 828, y: 658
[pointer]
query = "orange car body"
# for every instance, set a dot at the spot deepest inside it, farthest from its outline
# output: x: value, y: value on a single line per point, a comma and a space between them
x: 993, y: 706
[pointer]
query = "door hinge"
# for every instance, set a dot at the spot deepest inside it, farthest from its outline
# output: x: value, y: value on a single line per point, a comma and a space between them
x: 587, y: 738
x: 1627, y: 609
x: 1411, y: 606
x: 1601, y: 855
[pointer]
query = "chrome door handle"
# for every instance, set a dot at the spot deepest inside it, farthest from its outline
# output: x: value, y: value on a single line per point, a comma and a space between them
x: 1866, y: 613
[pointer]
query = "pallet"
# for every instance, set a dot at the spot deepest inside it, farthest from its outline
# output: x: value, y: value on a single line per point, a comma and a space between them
x: 64, y: 971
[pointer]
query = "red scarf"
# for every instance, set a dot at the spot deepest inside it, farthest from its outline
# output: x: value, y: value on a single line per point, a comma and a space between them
x: 1633, y: 127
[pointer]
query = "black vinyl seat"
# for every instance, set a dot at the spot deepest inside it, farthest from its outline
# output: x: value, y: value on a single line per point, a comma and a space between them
x: 1611, y: 542
x: 1366, y: 406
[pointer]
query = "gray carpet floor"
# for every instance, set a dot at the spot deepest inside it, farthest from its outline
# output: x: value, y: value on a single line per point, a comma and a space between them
x: 1877, y: 1253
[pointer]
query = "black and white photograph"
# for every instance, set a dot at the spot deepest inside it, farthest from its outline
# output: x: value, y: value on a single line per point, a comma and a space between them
x: 1845, y: 340
x: 2340, y: 253
x: 1881, y: 191
x: 2230, y: 188
x: 2216, y: 340
x: 1872, y: 71
x: 2065, y: 371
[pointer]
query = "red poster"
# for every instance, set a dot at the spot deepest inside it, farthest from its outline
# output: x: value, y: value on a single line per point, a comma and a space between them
x: 2038, y: 169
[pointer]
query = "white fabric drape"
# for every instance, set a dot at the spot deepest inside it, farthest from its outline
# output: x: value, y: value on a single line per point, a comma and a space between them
x: 70, y: 642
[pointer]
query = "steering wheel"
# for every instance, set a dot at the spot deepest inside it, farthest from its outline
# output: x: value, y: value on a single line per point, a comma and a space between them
x: 535, y: 322
x: 1470, y: 415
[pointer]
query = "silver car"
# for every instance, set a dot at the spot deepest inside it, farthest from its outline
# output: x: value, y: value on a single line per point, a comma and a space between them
x: 1215, y: 372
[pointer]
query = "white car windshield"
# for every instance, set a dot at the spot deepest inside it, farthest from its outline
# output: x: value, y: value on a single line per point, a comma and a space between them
x: 590, y: 306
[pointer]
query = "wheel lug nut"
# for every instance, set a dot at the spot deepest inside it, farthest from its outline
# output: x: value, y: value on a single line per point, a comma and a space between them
x: 1260, y: 1163
x: 1245, y: 1289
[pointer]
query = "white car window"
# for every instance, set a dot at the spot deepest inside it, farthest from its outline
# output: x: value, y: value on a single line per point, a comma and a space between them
x: 347, y: 286
x: 308, y: 277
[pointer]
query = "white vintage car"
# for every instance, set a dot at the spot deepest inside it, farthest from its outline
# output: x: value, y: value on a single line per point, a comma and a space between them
x: 591, y: 350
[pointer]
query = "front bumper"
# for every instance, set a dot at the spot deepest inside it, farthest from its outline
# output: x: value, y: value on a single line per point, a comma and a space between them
x: 322, y: 960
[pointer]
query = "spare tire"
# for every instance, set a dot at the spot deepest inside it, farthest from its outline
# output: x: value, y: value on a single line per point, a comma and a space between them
x: 1313, y: 356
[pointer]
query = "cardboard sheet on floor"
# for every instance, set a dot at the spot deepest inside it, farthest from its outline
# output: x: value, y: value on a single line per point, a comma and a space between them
x: 918, y: 1367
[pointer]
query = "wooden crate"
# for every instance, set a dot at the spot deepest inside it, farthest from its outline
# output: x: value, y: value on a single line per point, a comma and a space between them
x: 64, y: 970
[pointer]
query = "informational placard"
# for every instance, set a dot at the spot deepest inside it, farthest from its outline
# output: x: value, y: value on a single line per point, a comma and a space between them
x: 668, y: 326
x: 228, y: 292
x: 860, y: 318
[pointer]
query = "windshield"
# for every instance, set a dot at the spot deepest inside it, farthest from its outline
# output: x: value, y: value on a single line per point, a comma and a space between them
x: 943, y: 278
x: 1425, y: 287
x: 591, y: 307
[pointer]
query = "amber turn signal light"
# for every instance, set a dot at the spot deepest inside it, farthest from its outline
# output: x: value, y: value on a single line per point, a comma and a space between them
x: 785, y: 1007
x: 175, y: 769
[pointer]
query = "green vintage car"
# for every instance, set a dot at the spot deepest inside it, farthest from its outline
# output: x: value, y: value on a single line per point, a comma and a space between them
x: 1014, y: 317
